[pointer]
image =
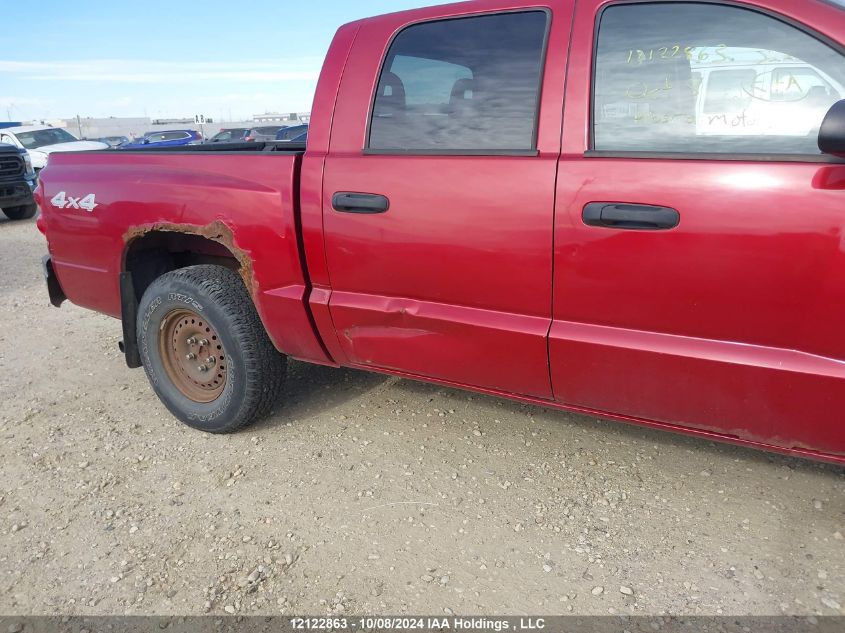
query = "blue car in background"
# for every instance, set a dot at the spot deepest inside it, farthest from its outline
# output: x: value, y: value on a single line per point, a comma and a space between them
x: 169, y: 138
x: 291, y: 133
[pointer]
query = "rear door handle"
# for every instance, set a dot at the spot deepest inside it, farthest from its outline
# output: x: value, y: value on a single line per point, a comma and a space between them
x: 635, y: 217
x: 349, y: 202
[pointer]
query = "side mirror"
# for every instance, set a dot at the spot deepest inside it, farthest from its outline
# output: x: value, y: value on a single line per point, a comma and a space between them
x: 832, y: 131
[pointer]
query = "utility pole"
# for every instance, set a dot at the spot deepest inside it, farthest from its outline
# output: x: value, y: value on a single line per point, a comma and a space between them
x: 79, y: 125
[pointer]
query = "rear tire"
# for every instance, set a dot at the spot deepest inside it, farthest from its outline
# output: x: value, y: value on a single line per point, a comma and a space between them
x: 21, y: 213
x: 205, y: 350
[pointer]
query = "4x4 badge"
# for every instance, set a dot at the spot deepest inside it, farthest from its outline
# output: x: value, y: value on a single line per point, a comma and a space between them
x: 63, y: 201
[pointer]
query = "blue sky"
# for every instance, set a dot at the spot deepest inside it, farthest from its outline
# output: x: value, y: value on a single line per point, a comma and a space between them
x: 172, y: 58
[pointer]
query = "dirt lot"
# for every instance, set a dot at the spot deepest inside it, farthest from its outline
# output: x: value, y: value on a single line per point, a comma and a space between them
x: 367, y: 494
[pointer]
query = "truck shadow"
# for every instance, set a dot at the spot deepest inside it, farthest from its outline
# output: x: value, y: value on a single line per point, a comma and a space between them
x: 4, y: 221
x: 313, y: 390
x: 622, y: 433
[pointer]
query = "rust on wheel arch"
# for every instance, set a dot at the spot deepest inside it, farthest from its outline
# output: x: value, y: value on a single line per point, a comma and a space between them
x: 216, y: 232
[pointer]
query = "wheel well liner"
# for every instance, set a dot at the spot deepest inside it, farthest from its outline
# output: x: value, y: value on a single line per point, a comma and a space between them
x: 155, y: 249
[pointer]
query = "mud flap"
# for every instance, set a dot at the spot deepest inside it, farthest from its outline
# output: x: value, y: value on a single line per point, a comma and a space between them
x: 129, y: 318
x: 54, y: 288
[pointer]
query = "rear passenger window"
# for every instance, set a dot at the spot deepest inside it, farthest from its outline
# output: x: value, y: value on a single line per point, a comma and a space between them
x: 708, y: 78
x: 462, y: 85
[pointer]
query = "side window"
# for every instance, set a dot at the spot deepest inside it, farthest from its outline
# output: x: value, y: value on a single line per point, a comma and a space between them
x: 466, y: 84
x: 708, y: 78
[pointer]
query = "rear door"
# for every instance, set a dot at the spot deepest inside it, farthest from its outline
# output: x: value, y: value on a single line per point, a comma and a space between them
x: 438, y: 194
x: 699, y: 260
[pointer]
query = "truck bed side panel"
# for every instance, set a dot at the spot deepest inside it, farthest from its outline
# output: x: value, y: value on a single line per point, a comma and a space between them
x: 245, y: 202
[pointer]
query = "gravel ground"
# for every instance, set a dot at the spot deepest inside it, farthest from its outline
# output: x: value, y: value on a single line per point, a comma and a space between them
x: 367, y: 494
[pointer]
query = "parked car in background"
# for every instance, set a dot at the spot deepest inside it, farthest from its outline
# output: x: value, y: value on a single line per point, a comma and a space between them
x: 302, y: 138
x: 232, y: 135
x: 169, y: 138
x: 114, y: 141
x: 42, y: 140
x: 17, y: 182
x: 266, y: 133
x: 291, y: 133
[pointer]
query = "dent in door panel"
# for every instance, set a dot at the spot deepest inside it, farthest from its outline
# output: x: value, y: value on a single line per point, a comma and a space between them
x: 444, y: 341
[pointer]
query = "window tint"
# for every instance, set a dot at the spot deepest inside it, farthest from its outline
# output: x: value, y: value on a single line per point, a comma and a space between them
x: 291, y: 133
x: 41, y: 138
x: 692, y: 77
x: 468, y: 84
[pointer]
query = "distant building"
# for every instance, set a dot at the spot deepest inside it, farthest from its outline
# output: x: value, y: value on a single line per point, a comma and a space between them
x: 278, y: 117
x: 174, y: 121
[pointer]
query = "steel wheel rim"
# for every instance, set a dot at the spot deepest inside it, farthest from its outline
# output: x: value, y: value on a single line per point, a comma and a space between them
x: 193, y: 356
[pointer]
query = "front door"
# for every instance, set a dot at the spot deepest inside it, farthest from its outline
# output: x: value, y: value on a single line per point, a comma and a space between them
x: 438, y: 200
x: 699, y: 263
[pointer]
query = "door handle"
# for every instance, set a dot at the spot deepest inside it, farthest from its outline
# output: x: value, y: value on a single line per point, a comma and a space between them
x: 349, y: 202
x: 636, y: 217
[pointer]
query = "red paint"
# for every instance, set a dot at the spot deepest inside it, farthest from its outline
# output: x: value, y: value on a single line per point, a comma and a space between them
x: 483, y: 275
x: 728, y: 323
x: 138, y: 190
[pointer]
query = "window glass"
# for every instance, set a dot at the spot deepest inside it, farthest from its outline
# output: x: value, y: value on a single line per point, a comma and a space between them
x: 291, y: 133
x: 694, y: 77
x: 42, y: 138
x: 726, y: 90
x: 467, y: 84
x: 174, y: 136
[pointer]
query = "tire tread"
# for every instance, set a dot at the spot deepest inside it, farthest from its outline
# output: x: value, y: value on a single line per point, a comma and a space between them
x: 264, y: 365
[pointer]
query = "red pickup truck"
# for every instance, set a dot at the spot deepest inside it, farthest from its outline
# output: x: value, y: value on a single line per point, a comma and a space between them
x: 630, y: 209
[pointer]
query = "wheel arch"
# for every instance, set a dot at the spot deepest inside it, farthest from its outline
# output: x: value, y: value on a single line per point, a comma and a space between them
x: 281, y: 297
x: 150, y: 251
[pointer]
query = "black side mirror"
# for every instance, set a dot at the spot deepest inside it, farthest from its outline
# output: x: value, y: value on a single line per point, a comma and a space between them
x: 832, y: 131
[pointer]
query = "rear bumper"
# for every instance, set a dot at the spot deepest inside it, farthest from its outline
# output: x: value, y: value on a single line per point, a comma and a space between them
x: 54, y: 288
x: 16, y: 193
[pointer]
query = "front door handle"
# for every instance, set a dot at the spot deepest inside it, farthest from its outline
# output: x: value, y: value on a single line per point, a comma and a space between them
x: 636, y: 217
x: 349, y: 202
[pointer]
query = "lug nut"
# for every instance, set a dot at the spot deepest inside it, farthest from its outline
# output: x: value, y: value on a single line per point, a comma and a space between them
x: 191, y: 341
x: 191, y: 356
x: 211, y: 360
x: 203, y: 368
x: 204, y: 342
